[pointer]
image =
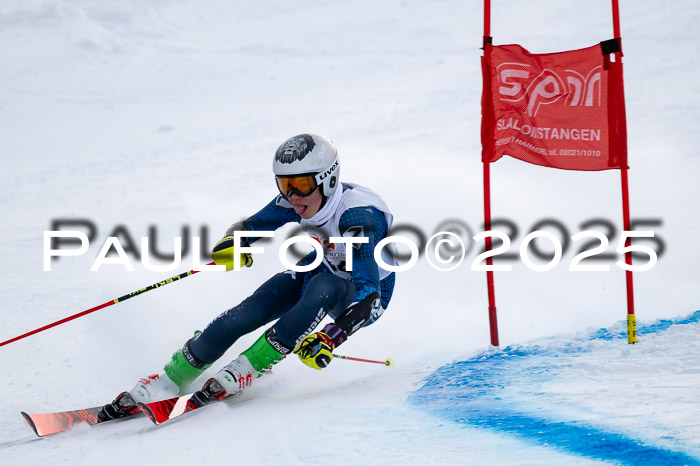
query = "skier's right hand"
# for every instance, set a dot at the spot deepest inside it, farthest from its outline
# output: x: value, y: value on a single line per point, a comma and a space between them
x: 223, y: 254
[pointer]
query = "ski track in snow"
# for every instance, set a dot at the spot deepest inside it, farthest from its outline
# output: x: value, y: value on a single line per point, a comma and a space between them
x: 166, y: 113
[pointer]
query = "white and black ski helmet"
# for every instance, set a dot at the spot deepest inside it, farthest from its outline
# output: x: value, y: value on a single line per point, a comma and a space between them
x: 309, y: 154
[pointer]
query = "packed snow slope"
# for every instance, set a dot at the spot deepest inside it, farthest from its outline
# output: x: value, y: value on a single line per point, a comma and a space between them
x: 160, y: 118
x: 585, y: 393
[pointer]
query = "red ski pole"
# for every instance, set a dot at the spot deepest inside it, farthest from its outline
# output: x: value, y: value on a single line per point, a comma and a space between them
x: 388, y: 362
x: 108, y: 303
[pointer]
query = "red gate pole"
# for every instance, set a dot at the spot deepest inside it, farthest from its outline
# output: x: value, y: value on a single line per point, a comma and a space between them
x: 493, y: 320
x: 487, y: 20
x: 631, y: 318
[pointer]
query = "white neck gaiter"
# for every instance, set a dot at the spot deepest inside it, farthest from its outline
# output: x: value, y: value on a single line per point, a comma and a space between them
x: 325, y: 214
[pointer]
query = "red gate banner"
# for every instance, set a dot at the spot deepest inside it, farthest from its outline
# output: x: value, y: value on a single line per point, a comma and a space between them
x: 561, y: 110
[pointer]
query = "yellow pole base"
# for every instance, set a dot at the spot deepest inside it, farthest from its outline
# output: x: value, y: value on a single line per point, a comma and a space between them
x: 631, y: 329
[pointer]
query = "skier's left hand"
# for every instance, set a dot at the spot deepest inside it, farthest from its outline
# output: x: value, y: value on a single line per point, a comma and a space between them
x: 316, y: 350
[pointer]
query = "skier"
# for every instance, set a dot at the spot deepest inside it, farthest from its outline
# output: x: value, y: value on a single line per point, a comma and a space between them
x: 307, y: 171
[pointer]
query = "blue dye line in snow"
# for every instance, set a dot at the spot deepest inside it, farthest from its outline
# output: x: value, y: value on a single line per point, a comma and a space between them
x: 471, y: 392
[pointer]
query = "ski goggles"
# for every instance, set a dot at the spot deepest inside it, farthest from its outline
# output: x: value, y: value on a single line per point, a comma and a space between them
x: 302, y: 185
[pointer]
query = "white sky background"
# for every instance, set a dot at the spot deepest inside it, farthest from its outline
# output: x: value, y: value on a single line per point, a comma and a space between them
x: 168, y: 113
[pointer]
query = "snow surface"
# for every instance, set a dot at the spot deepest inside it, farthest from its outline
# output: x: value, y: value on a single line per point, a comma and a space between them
x: 167, y: 113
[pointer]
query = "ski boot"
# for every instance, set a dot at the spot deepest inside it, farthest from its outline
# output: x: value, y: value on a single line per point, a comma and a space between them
x: 182, y: 369
x: 179, y: 373
x: 238, y: 375
x: 152, y: 388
